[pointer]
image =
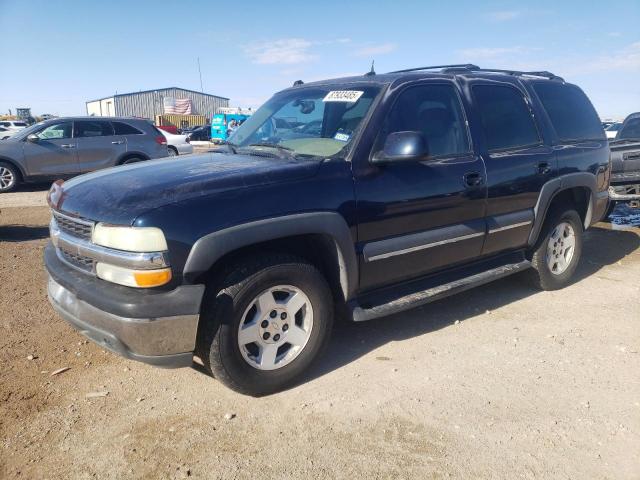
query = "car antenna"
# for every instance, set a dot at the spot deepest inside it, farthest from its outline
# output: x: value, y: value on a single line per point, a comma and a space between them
x: 372, y: 71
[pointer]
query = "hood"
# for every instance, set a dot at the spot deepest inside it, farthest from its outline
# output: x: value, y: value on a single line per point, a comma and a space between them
x: 119, y: 195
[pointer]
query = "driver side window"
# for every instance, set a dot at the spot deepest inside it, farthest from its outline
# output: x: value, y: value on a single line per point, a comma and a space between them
x: 57, y: 131
x: 434, y: 111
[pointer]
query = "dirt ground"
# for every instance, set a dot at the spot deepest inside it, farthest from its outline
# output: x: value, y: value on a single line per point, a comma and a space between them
x: 500, y: 382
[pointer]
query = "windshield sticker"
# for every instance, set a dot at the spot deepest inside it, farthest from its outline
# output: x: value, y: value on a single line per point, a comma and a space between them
x: 349, y: 96
x: 343, y: 137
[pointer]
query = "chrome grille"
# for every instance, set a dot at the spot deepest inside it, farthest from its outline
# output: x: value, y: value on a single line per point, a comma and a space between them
x: 78, y: 261
x: 74, y: 226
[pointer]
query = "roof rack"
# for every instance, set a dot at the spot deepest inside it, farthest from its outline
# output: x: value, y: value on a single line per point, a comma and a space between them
x: 469, y: 67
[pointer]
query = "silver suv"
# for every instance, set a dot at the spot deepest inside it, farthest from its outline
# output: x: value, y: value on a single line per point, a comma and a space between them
x: 64, y: 147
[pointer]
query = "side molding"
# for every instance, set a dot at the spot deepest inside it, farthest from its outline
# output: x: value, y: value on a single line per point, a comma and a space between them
x: 210, y: 248
x: 552, y: 188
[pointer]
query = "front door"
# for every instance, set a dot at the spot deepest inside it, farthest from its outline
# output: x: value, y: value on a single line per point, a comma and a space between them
x: 53, y: 153
x: 417, y: 217
x: 98, y: 147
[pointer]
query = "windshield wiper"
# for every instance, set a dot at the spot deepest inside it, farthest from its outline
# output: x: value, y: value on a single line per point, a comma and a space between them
x: 232, y: 147
x: 289, y: 152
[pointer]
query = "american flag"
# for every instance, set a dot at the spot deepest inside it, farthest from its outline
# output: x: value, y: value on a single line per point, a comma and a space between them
x: 180, y: 106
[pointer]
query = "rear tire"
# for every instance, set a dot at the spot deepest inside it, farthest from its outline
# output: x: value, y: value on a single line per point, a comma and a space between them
x: 264, y: 323
x: 558, y: 250
x: 9, y: 177
x: 173, y: 152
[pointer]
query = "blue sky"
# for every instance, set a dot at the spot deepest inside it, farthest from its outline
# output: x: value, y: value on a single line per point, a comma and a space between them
x: 58, y: 54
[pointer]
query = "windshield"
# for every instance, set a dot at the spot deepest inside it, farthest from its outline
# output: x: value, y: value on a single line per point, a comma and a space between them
x: 614, y: 127
x: 630, y: 130
x: 314, y: 121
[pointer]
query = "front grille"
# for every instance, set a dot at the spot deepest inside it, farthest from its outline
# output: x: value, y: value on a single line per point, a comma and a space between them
x: 74, y: 226
x: 79, y: 261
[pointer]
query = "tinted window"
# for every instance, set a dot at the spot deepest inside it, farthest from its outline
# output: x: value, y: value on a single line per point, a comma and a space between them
x: 93, y: 129
x: 631, y: 129
x: 56, y: 131
x: 570, y: 111
x: 5, y: 124
x: 435, y: 111
x: 125, y: 129
x: 505, y: 117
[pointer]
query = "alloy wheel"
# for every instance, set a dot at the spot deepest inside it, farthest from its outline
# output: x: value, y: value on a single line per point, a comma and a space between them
x: 275, y: 327
x: 560, y: 248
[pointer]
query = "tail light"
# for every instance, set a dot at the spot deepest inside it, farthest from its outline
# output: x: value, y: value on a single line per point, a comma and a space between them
x: 161, y: 140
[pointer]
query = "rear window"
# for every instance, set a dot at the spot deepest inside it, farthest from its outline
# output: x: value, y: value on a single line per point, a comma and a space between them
x: 506, y: 119
x: 122, y: 128
x: 92, y: 129
x: 570, y: 111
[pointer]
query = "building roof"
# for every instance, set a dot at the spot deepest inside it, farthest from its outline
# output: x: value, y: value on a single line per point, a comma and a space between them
x: 156, y: 90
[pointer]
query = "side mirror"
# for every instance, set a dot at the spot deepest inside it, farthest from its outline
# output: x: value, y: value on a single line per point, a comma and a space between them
x: 402, y: 146
x: 33, y: 138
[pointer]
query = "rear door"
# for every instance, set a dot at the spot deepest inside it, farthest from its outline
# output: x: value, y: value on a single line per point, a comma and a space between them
x: 54, y: 153
x: 517, y: 160
x: 417, y: 217
x: 98, y: 147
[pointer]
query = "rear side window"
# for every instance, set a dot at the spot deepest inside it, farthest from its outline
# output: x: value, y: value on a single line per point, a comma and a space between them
x: 93, y: 129
x: 505, y: 116
x: 122, y: 128
x: 570, y: 111
x: 631, y: 129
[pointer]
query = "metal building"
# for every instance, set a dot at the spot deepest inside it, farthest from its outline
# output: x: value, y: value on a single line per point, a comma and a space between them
x: 149, y: 103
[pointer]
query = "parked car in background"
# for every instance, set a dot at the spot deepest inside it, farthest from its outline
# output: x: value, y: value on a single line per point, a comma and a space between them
x: 5, y: 133
x: 188, y: 130
x: 419, y: 184
x: 13, y: 126
x: 64, y: 147
x: 177, y: 144
x: 612, y: 130
x: 625, y: 163
x: 200, y: 134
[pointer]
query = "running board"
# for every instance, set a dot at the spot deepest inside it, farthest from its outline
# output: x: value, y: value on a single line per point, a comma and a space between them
x: 428, y: 295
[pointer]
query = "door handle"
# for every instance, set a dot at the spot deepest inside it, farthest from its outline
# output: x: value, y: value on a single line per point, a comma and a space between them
x: 473, y: 179
x: 118, y: 143
x: 68, y: 145
x: 544, y: 168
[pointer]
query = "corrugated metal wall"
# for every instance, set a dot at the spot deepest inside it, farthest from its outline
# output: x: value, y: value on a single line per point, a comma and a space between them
x: 150, y: 104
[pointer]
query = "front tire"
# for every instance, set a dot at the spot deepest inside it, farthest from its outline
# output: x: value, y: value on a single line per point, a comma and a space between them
x: 265, y: 323
x: 9, y: 177
x: 557, y: 253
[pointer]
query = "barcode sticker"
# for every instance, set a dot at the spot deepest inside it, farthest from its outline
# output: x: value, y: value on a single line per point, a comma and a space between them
x: 349, y: 96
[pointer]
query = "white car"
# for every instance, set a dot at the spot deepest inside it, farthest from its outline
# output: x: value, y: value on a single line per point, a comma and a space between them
x: 177, y: 144
x: 11, y: 126
x: 612, y: 130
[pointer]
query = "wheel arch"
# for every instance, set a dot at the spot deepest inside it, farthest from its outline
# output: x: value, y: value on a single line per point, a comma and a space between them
x: 323, y: 238
x: 579, y: 189
x: 127, y: 155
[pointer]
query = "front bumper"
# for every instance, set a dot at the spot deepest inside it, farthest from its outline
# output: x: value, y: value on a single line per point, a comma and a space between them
x: 158, y: 328
x: 624, y: 193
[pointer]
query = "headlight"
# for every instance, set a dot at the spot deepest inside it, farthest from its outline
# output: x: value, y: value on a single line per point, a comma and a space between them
x: 131, y: 239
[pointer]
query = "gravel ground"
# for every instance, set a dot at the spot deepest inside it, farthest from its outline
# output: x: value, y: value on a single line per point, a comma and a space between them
x: 500, y: 382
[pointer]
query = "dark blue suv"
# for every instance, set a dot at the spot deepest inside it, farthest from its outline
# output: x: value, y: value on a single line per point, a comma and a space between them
x: 364, y: 196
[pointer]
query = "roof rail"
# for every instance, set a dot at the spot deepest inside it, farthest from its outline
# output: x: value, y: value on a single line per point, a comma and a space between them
x: 469, y: 67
